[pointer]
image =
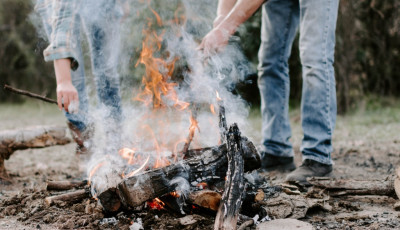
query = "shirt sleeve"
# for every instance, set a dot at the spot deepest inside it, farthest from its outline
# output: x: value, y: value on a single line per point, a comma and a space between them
x: 62, y: 40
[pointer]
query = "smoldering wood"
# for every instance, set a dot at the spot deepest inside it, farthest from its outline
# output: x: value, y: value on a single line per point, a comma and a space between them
x: 223, y: 127
x: 65, y: 185
x: 33, y: 137
x: 70, y: 197
x: 29, y: 94
x: 201, y: 165
x: 341, y: 187
x: 231, y: 202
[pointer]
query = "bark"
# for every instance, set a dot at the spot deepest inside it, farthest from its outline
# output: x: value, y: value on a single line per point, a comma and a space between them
x: 71, y: 197
x: 65, y: 185
x: 34, y: 137
x: 340, y: 187
x: 207, y: 165
x: 229, y: 208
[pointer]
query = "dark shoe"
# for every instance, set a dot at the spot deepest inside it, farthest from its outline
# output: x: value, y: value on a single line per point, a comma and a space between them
x: 270, y: 163
x: 82, y: 139
x: 309, y: 168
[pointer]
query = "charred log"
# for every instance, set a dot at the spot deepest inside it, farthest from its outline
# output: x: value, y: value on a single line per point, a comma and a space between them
x: 205, y: 165
x: 228, y: 211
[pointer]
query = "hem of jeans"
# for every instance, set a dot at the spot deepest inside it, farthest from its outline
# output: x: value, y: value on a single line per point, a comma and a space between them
x: 318, y: 159
x: 279, y: 154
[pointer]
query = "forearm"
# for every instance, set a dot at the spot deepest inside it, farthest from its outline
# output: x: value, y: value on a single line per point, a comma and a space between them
x: 225, y: 6
x: 62, y: 68
x: 240, y: 12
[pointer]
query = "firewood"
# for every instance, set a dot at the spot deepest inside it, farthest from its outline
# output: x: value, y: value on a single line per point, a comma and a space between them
x: 206, y: 199
x: 65, y: 185
x: 71, y: 197
x: 29, y: 94
x: 231, y: 202
x: 209, y: 164
x: 340, y: 187
x: 33, y: 137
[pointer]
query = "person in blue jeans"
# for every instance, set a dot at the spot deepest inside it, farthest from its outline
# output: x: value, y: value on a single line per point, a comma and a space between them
x: 281, y: 19
x: 63, y: 20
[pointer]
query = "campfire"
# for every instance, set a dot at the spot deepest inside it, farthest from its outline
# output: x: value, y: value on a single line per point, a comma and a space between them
x: 171, y: 169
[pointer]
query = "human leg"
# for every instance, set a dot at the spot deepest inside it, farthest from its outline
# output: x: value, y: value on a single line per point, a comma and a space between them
x: 318, y: 108
x: 280, y: 20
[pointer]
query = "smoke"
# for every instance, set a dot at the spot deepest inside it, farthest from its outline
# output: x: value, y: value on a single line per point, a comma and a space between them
x: 162, y: 133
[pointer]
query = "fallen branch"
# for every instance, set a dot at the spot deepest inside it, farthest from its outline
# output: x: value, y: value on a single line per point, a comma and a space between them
x: 342, y: 187
x: 71, y: 197
x: 65, y: 185
x: 29, y: 94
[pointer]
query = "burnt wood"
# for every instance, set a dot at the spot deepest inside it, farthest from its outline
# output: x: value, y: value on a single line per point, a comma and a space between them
x: 231, y: 202
x: 201, y: 165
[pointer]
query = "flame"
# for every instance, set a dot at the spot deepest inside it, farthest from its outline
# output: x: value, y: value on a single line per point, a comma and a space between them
x: 156, y: 204
x: 139, y: 169
x: 218, y: 97
x: 93, y: 171
x: 212, y: 109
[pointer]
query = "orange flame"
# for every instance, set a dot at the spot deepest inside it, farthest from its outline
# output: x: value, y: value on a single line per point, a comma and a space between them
x: 93, y: 171
x: 156, y: 204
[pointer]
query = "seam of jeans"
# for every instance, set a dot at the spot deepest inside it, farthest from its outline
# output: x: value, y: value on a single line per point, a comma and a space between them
x: 328, y: 83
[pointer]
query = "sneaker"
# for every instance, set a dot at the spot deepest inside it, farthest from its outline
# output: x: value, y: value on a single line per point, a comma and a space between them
x: 309, y: 168
x: 270, y: 163
x: 81, y: 138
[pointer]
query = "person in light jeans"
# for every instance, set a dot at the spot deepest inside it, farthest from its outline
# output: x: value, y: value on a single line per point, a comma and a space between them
x: 316, y: 20
x: 63, y: 21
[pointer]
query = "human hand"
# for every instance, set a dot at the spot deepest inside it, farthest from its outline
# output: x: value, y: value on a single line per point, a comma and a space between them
x: 214, y: 41
x: 67, y: 97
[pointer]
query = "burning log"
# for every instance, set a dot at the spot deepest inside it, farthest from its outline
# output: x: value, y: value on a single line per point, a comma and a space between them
x: 223, y: 127
x: 205, y: 165
x: 234, y: 185
x: 65, y: 185
x: 354, y: 187
x: 206, y: 199
x: 71, y: 197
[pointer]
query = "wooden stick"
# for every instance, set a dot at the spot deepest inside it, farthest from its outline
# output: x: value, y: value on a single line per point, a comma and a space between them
x: 231, y: 202
x: 341, y: 187
x: 72, y: 197
x: 29, y: 94
x: 65, y: 185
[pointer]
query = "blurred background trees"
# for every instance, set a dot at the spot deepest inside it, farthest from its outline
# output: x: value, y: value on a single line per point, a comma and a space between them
x: 367, y: 53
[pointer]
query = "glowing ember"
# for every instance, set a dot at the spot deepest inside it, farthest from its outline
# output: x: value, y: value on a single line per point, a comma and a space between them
x: 156, y: 204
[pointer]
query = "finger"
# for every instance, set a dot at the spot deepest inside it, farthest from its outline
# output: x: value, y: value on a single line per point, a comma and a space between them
x: 66, y: 102
x: 59, y: 100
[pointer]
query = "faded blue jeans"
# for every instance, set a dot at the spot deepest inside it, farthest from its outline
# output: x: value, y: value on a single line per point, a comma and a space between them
x: 317, y: 22
x: 100, y: 21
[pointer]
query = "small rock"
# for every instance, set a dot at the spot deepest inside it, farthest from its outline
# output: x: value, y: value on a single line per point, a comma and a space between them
x: 285, y: 224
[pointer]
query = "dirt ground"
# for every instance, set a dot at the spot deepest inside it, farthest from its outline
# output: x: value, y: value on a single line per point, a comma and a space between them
x: 367, y: 146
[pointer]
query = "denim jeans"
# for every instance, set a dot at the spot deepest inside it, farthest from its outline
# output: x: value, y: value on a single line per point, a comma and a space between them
x: 317, y: 22
x: 101, y: 26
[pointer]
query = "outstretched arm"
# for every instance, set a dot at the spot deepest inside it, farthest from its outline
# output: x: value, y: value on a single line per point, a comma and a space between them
x: 219, y: 36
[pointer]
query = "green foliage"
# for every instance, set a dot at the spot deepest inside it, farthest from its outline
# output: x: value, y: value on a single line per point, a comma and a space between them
x: 20, y: 55
x: 366, y: 63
